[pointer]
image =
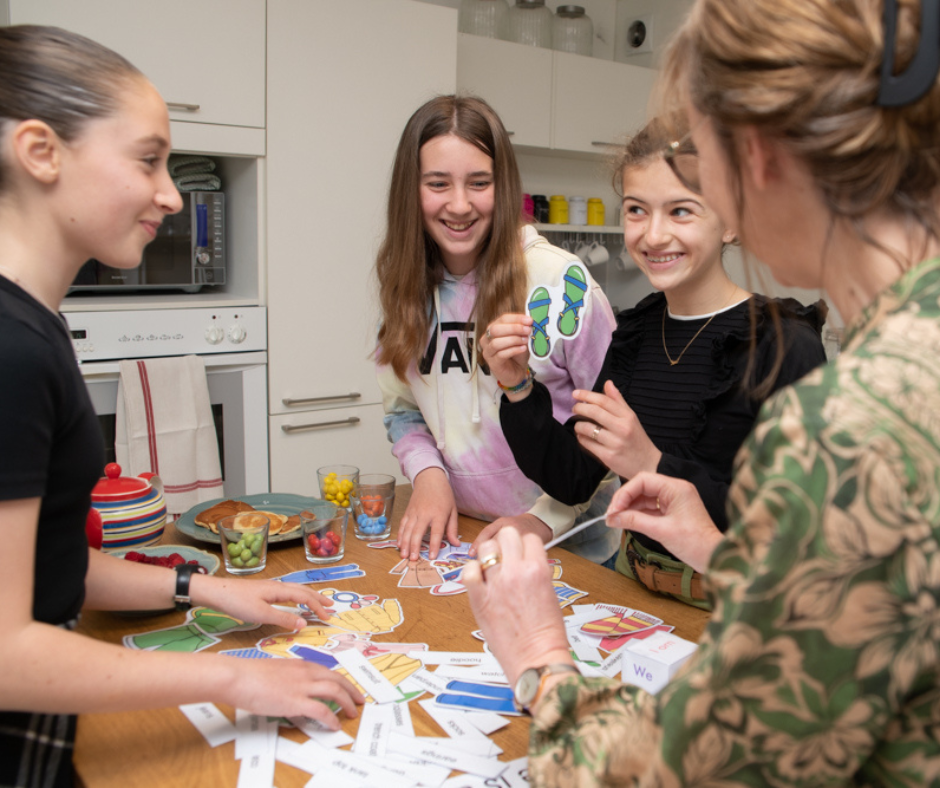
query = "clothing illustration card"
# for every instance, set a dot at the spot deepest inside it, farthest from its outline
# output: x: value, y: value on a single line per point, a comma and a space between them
x: 555, y: 309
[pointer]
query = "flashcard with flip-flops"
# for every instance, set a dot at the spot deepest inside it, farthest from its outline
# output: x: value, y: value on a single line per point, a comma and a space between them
x: 555, y: 310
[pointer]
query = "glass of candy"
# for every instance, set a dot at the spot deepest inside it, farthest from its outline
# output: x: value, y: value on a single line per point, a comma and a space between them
x: 372, y: 503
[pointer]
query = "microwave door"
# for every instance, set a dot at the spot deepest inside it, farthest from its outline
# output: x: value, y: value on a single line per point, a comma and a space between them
x: 168, y: 258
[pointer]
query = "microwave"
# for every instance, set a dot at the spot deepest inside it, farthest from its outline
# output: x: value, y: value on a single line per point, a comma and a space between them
x: 187, y: 254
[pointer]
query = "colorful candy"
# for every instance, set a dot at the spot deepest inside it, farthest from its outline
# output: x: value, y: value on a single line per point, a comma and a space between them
x: 372, y: 525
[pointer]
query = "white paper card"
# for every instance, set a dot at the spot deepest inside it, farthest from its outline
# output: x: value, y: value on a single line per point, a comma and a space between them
x: 438, y: 751
x: 457, y: 725
x: 515, y: 776
x: 368, y: 676
x: 375, y: 723
x: 424, y: 680
x: 472, y: 673
x: 215, y: 727
x: 583, y: 648
x: 320, y: 733
x: 455, y: 658
x: 253, y: 734
x: 311, y: 757
x: 257, y: 770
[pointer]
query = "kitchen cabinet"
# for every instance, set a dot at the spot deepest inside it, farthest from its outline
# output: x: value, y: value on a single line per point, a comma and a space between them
x: 515, y: 80
x: 207, y: 58
x: 597, y: 103
x: 555, y: 100
x: 343, y: 78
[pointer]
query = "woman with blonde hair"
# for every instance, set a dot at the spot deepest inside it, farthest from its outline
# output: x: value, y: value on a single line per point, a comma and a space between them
x: 457, y: 254
x: 818, y: 131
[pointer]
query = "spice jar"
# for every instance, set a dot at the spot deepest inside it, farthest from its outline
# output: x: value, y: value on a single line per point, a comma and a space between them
x: 528, y: 208
x: 577, y: 210
x: 530, y: 22
x: 540, y: 203
x: 573, y: 30
x: 483, y: 18
x: 595, y: 211
x: 557, y: 209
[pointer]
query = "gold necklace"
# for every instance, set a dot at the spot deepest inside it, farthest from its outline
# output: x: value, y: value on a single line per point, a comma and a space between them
x: 673, y: 362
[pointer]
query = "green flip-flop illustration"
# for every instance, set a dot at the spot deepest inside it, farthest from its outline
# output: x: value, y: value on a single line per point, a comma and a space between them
x: 538, y: 311
x: 575, y: 288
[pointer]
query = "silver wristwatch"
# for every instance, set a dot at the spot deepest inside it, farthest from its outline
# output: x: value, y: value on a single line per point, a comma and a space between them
x: 528, y: 688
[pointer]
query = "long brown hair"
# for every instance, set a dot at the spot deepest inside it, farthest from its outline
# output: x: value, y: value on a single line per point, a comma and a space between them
x: 409, y: 264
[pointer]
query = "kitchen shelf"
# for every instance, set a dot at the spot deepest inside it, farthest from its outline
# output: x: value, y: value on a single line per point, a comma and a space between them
x: 579, y: 228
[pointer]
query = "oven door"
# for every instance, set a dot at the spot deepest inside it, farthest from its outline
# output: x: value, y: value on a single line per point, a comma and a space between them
x: 239, y: 396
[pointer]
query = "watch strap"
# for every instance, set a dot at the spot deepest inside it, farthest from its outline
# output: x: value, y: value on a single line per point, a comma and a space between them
x: 552, y: 669
x: 184, y: 573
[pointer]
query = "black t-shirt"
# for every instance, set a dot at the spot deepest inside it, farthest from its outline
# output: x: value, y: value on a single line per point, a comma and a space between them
x: 697, y: 413
x: 50, y: 446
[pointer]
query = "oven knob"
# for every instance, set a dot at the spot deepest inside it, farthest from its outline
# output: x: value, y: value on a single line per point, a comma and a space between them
x: 214, y: 335
x: 237, y: 334
x: 203, y: 258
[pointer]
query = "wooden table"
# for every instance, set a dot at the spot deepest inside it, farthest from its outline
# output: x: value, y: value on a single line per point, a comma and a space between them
x: 161, y: 747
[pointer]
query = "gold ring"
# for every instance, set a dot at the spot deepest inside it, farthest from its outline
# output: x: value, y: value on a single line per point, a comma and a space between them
x: 489, y: 561
x: 597, y: 431
x: 489, y: 336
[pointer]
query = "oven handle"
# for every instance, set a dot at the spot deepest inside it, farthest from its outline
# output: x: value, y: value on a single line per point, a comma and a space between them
x: 313, y: 400
x: 288, y: 428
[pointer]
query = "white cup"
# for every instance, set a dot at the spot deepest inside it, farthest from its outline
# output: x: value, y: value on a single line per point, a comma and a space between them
x: 625, y: 261
x: 584, y: 252
x: 597, y: 254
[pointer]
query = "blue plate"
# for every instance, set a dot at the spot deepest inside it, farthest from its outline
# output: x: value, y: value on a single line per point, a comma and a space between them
x: 279, y: 503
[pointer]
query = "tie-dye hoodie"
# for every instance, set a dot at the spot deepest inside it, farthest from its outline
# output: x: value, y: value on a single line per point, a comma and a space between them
x: 446, y: 415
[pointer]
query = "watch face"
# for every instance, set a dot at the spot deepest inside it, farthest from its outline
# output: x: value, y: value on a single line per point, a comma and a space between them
x: 527, y: 687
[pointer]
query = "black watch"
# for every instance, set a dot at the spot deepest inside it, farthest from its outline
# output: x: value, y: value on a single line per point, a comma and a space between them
x: 184, y: 573
x: 528, y: 688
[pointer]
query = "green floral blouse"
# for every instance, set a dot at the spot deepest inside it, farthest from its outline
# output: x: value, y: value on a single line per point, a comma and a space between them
x: 821, y: 663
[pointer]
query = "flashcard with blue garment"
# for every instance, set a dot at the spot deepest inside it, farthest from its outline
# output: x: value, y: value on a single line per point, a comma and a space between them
x: 325, y: 574
x: 473, y: 696
x: 556, y: 308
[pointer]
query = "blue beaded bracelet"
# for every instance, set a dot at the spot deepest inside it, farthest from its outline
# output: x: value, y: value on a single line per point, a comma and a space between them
x: 526, y: 382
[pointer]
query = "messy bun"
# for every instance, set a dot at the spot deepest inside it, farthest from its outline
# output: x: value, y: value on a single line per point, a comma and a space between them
x: 807, y: 72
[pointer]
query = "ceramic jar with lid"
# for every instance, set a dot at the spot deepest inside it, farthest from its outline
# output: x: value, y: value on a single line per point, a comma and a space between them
x: 595, y: 211
x: 483, y: 18
x: 577, y: 210
x: 557, y: 209
x: 530, y: 22
x: 573, y: 30
x: 132, y: 508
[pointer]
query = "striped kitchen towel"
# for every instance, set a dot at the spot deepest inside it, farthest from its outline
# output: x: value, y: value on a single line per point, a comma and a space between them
x: 164, y: 425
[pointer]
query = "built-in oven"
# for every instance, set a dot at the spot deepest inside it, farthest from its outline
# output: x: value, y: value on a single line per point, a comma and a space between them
x: 233, y: 344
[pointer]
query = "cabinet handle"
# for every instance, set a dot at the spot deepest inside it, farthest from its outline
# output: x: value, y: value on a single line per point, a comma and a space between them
x: 311, y: 400
x: 289, y: 428
x: 604, y: 144
x: 180, y: 106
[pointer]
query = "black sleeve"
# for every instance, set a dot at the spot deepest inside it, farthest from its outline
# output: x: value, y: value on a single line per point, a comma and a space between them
x: 547, y: 452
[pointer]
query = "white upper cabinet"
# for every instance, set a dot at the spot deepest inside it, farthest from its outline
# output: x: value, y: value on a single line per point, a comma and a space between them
x: 206, y: 57
x: 514, y: 80
x: 597, y: 102
x: 555, y: 100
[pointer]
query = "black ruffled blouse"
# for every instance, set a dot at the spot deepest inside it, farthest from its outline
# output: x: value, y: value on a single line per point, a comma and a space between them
x: 697, y: 412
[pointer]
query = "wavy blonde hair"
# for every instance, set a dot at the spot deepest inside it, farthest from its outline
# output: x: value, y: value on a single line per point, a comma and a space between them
x: 806, y: 72
x: 409, y: 264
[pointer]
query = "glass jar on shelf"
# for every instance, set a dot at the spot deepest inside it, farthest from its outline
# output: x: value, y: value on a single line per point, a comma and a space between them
x: 573, y: 31
x: 483, y: 18
x: 530, y: 22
